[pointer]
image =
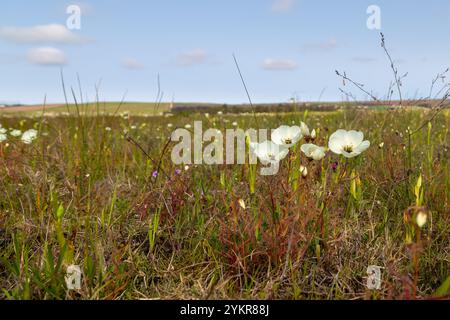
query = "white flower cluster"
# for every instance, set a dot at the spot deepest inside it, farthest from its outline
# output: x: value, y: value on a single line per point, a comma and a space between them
x: 347, y: 143
x: 27, y: 137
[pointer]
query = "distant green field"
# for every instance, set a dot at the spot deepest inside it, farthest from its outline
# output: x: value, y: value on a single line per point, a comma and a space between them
x: 152, y: 108
x: 138, y: 108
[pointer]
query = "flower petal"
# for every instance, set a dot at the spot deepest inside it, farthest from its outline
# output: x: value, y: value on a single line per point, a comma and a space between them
x: 279, y: 134
x: 306, y: 149
x: 336, y: 145
x: 349, y: 154
x: 339, y: 134
x: 363, y: 146
x: 318, y: 153
x: 354, y: 137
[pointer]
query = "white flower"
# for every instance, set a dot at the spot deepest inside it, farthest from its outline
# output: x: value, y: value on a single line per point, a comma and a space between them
x: 108, y: 129
x: 15, y: 133
x: 188, y: 126
x: 313, y: 152
x: 286, y: 136
x: 3, y: 130
x: 169, y: 125
x: 235, y: 124
x: 219, y: 113
x: 348, y: 143
x: 421, y: 218
x: 29, y: 136
x: 3, y: 137
x: 269, y: 152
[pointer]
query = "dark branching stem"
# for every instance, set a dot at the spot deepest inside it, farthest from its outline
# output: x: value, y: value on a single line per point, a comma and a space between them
x: 155, y: 163
x: 360, y: 86
x: 440, y: 76
x: 397, y: 78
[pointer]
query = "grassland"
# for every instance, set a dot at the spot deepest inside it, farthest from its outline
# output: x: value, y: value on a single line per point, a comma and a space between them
x: 84, y: 193
x: 88, y: 109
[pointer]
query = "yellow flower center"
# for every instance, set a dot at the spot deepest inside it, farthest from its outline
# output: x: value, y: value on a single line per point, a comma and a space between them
x: 348, y: 148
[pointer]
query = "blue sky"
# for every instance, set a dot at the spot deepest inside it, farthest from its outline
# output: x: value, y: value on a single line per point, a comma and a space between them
x: 285, y: 48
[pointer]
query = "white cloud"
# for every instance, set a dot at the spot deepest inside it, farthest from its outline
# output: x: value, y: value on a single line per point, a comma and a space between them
x: 132, y: 64
x: 281, y: 6
x: 192, y: 58
x: 47, y: 56
x: 50, y: 33
x: 279, y: 64
x: 328, y: 45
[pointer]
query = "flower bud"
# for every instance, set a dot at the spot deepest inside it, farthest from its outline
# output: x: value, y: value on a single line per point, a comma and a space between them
x: 304, y: 171
x: 242, y: 204
x: 421, y: 218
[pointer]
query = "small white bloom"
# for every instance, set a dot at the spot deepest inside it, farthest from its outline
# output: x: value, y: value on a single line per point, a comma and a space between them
x: 235, y: 124
x: 313, y: 152
x: 3, y: 130
x: 133, y: 127
x: 186, y: 168
x: 3, y: 137
x: 15, y: 133
x: 108, y: 129
x: 242, y: 204
x: 269, y: 152
x: 421, y: 218
x: 169, y: 125
x: 348, y: 143
x: 286, y: 136
x: 219, y: 113
x: 28, y: 136
x: 304, y: 171
x: 188, y: 126
x: 381, y: 145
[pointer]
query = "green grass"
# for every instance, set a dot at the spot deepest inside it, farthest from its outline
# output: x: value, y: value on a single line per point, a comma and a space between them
x: 136, y: 108
x: 83, y: 195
